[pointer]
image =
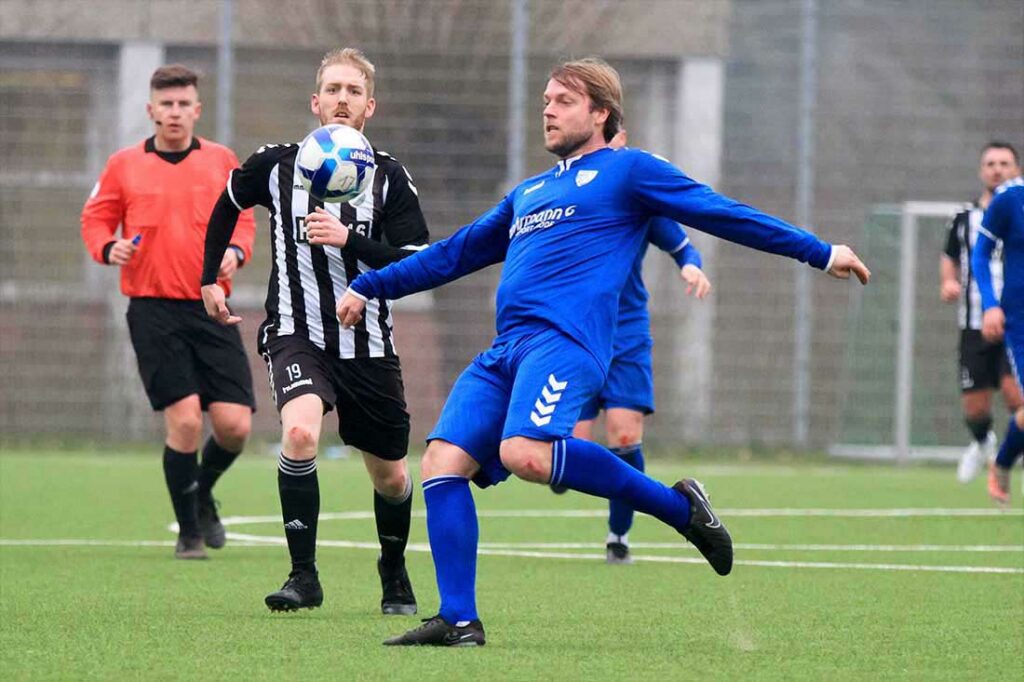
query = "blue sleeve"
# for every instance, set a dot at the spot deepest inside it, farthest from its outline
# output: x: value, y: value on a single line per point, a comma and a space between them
x: 666, y: 191
x: 993, y: 228
x: 671, y: 237
x: 481, y: 243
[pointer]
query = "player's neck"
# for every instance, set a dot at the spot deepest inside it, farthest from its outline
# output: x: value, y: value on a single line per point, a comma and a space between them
x: 595, y: 143
x: 985, y: 198
x: 164, y: 145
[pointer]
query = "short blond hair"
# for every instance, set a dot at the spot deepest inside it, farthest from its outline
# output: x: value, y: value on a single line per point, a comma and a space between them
x: 598, y: 80
x: 347, y: 55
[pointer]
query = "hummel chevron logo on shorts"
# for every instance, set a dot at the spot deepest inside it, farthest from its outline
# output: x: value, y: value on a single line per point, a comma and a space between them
x: 545, y: 405
x: 295, y: 524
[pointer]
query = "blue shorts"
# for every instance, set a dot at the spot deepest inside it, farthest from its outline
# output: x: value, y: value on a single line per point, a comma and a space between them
x: 630, y: 379
x: 532, y: 385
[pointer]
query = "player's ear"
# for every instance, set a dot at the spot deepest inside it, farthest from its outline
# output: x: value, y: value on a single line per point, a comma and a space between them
x: 371, y: 106
x: 149, y: 110
x: 314, y: 104
x: 199, y: 109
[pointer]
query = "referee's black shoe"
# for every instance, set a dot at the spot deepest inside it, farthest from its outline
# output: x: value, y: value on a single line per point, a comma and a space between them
x: 705, y: 529
x: 301, y: 591
x: 209, y: 522
x: 397, y: 599
x: 437, y: 631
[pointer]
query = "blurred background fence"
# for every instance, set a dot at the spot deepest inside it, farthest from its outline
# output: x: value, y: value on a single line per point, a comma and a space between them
x: 820, y: 111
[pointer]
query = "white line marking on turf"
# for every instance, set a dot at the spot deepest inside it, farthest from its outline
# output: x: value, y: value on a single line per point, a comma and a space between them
x: 600, y: 513
x: 767, y: 547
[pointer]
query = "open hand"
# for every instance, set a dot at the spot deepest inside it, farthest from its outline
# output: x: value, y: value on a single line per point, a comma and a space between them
x: 216, y: 305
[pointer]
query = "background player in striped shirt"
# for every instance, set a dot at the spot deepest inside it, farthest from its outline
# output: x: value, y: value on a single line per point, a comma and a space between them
x: 628, y: 394
x: 160, y: 191
x: 1004, y: 314
x: 984, y: 366
x: 568, y: 238
x: 314, y: 364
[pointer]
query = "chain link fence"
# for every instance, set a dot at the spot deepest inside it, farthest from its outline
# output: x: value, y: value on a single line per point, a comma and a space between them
x: 903, y: 97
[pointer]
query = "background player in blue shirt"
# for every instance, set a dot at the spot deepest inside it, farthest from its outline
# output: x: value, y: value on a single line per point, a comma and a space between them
x: 628, y: 394
x: 1004, y: 317
x: 568, y: 238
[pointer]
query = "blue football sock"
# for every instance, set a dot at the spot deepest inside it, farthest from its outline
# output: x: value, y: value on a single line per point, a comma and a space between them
x: 592, y: 469
x: 1012, y: 447
x: 620, y: 514
x: 453, y: 531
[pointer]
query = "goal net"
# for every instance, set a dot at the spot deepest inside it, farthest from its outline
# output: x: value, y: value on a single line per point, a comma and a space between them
x: 899, y: 391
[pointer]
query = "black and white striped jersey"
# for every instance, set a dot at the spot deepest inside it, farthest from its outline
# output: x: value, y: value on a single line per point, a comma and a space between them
x: 963, y: 233
x: 306, y: 281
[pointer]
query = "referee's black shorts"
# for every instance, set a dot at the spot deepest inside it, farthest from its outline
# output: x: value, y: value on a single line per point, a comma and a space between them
x: 982, y: 364
x: 181, y: 350
x: 368, y: 392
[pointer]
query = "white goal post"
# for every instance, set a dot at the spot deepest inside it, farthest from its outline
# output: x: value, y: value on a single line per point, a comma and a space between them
x: 901, y: 449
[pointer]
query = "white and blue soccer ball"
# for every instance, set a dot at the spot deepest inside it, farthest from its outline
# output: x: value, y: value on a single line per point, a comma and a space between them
x: 335, y: 163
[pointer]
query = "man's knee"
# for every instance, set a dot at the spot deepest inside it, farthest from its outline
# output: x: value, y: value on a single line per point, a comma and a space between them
x: 527, y: 458
x: 232, y: 433
x: 624, y: 427
x: 185, y: 426
x: 446, y: 459
x: 300, y: 441
x: 392, y: 481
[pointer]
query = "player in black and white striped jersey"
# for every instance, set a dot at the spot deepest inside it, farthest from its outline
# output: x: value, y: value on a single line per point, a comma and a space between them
x: 314, y: 364
x: 983, y: 366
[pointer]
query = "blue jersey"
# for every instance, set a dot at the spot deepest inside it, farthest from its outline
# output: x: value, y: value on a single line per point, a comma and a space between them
x: 670, y: 237
x: 1004, y: 220
x: 570, y: 236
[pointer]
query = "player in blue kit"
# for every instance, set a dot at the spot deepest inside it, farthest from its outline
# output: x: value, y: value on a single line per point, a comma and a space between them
x: 628, y: 394
x: 1004, y: 316
x: 568, y: 238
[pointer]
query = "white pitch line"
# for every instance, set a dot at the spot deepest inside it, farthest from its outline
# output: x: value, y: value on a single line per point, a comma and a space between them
x: 725, y: 513
x: 244, y: 540
x: 766, y: 547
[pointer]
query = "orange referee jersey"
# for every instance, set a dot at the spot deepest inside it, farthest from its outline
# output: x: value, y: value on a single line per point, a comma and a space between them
x: 168, y: 204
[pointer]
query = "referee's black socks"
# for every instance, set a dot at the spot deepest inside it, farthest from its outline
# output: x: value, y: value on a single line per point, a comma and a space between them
x: 393, y: 515
x: 299, y: 489
x: 180, y: 470
x: 216, y: 461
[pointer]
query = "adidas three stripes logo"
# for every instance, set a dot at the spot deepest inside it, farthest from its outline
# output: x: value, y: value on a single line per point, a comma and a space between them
x: 545, y: 405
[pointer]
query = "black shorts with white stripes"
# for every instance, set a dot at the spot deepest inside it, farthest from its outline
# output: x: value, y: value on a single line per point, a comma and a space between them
x: 982, y: 364
x: 367, y: 392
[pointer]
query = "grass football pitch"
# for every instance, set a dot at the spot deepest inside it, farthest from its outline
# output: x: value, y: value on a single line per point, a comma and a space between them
x: 843, y: 571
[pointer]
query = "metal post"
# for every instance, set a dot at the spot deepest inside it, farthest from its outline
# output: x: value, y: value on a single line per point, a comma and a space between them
x: 225, y: 72
x: 905, y: 349
x: 520, y: 29
x: 804, y: 211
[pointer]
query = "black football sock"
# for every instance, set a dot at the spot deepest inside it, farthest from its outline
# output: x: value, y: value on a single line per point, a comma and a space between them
x: 300, y: 507
x: 216, y: 461
x: 180, y: 472
x: 980, y: 428
x: 393, y: 515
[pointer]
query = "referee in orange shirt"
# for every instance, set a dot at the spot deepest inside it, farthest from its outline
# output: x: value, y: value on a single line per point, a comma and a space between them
x: 161, y: 191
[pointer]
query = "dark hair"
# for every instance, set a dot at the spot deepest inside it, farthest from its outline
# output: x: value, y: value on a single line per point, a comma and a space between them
x: 173, y: 76
x: 998, y: 144
x: 595, y: 78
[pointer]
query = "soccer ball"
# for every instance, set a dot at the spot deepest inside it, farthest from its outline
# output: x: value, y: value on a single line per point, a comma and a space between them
x: 335, y: 163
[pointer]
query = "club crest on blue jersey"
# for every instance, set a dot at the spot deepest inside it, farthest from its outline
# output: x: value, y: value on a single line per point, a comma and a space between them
x: 585, y: 176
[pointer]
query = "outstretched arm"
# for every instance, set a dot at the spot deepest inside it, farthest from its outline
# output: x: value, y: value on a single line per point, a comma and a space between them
x: 481, y: 243
x: 667, y: 191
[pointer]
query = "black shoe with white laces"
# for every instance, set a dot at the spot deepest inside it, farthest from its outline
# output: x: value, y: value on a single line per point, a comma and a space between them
x: 209, y: 522
x: 301, y: 591
x: 397, y: 599
x: 705, y: 529
x: 437, y: 631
